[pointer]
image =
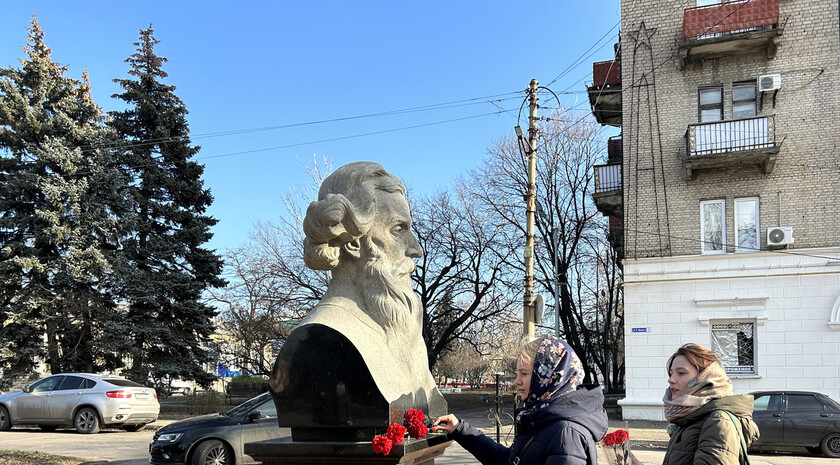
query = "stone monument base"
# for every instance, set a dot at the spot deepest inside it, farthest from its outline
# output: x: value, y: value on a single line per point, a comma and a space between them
x: 286, y: 451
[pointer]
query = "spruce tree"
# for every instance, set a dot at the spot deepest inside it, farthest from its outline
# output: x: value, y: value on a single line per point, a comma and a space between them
x: 61, y: 215
x: 167, y: 266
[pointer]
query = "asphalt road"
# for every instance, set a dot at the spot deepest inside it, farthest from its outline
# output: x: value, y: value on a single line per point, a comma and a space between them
x: 117, y: 447
x: 111, y: 446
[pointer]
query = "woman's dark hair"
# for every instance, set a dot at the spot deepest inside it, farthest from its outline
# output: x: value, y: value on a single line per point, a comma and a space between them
x: 698, y: 356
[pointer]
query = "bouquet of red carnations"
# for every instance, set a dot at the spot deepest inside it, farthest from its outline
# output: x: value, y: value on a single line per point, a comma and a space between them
x: 395, y: 434
x: 616, y: 447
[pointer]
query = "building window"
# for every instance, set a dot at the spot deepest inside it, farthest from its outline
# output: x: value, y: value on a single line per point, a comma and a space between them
x: 746, y: 225
x: 712, y: 226
x: 734, y: 344
x: 743, y: 100
x: 711, y: 104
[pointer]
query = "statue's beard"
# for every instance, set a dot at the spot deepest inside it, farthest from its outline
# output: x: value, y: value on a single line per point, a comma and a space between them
x: 389, y: 297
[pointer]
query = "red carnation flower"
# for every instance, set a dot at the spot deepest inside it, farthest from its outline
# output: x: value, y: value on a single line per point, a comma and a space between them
x: 381, y: 445
x: 417, y: 430
x: 414, y: 415
x: 396, y: 433
x: 621, y: 436
x: 616, y: 438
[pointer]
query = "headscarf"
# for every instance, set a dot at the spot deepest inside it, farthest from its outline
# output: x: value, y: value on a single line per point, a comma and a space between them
x: 557, y: 371
x: 711, y: 383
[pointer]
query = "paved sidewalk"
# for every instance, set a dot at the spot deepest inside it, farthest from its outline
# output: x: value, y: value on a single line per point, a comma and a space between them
x: 648, y: 438
x: 648, y: 441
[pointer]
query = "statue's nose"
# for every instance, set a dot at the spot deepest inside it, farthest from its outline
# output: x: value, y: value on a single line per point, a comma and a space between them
x: 414, y: 250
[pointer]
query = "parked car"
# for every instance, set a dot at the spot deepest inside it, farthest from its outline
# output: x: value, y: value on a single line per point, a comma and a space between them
x: 218, y: 438
x: 85, y: 401
x: 180, y: 387
x: 798, y: 418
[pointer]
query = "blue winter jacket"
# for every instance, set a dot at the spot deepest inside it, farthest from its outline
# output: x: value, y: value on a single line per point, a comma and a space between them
x: 565, y: 433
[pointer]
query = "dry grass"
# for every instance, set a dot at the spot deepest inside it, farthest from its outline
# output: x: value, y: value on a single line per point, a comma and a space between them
x: 14, y: 457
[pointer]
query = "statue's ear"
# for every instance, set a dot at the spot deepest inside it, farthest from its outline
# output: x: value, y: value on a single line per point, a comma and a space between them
x: 352, y: 248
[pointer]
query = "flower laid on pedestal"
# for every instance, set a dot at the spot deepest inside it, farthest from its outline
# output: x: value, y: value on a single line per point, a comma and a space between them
x: 610, y: 446
x: 395, y: 434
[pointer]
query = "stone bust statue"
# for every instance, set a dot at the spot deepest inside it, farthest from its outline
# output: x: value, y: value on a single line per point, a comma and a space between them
x: 358, y: 359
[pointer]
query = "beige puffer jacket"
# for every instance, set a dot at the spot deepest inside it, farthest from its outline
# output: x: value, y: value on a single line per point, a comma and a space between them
x: 708, y: 435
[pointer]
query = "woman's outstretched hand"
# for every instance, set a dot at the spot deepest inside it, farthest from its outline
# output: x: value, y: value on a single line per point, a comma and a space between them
x: 445, y: 423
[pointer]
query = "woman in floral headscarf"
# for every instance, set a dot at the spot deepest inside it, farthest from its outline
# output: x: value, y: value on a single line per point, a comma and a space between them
x: 561, y: 419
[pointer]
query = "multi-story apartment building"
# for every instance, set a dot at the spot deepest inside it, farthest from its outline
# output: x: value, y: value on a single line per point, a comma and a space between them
x: 723, y: 190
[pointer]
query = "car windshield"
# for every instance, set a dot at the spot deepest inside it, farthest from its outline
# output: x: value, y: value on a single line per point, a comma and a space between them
x: 247, y: 406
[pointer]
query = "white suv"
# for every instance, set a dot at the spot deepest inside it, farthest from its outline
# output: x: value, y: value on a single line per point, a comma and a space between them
x: 82, y: 400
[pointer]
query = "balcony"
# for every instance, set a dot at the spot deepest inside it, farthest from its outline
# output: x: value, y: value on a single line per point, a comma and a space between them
x: 727, y: 28
x: 608, y: 190
x: 605, y: 92
x: 733, y: 143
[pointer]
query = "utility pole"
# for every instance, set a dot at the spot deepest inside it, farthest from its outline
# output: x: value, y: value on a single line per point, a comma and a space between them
x: 531, y: 207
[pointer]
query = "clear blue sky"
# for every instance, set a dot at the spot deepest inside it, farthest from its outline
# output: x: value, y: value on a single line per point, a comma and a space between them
x: 240, y: 66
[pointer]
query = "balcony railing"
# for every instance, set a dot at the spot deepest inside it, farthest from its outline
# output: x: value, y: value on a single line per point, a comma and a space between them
x: 730, y: 18
x: 607, y: 177
x: 730, y: 136
x: 606, y: 73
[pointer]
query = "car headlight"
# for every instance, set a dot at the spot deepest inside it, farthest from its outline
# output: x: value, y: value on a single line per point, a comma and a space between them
x: 169, y: 437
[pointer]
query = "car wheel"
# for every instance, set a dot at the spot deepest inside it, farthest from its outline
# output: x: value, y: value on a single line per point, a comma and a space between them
x: 5, y: 420
x: 48, y: 428
x: 134, y: 428
x: 212, y: 452
x: 830, y: 445
x: 86, y: 421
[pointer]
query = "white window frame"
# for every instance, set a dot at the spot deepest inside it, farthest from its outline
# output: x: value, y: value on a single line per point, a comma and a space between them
x: 703, y: 243
x: 746, y: 204
x: 722, y: 326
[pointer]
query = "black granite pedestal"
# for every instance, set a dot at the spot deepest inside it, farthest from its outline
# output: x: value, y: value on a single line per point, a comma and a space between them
x: 287, y: 451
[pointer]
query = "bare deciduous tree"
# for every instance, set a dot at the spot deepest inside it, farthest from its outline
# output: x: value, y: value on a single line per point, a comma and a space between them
x: 462, y: 278
x: 258, y: 312
x: 567, y: 150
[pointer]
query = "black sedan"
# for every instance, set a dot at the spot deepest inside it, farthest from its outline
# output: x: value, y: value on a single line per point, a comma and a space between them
x: 798, y: 418
x: 218, y: 438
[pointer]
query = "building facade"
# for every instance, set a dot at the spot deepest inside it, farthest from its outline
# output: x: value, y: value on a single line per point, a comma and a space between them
x: 722, y: 190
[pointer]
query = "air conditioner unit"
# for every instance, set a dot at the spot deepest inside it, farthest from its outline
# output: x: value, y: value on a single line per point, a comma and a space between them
x: 769, y: 82
x: 779, y: 235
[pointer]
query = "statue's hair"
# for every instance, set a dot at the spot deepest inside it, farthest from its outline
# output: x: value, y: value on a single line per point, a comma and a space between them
x: 344, y: 211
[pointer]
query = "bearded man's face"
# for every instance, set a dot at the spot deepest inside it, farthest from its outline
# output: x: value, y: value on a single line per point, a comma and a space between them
x: 386, y: 262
